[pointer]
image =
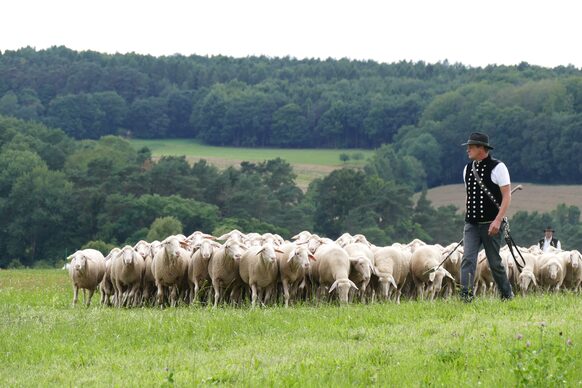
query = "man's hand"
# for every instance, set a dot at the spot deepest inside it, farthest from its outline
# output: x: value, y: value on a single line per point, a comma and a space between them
x: 494, y: 227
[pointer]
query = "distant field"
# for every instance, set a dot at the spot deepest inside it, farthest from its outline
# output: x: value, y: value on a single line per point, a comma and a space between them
x: 532, y: 341
x: 308, y: 164
x: 540, y: 198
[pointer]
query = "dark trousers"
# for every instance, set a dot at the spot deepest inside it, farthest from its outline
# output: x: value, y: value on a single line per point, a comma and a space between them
x: 475, y: 235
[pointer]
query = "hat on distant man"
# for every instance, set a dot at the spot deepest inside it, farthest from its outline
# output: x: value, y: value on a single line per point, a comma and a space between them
x: 477, y: 138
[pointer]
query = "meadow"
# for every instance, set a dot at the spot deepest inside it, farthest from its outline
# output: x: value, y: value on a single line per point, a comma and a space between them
x: 308, y: 164
x: 532, y: 341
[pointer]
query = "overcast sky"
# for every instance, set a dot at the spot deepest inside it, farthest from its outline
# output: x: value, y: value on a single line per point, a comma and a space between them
x: 472, y: 32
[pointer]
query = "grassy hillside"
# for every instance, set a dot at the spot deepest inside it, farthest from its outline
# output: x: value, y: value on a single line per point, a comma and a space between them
x: 540, y: 198
x: 533, y: 341
x: 307, y: 163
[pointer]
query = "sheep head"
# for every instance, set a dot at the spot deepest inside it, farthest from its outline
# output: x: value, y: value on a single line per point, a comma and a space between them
x: 234, y: 249
x: 79, y: 262
x: 526, y: 278
x: 300, y: 256
x: 267, y: 253
x: 343, y: 288
x: 127, y: 255
x: 385, y: 281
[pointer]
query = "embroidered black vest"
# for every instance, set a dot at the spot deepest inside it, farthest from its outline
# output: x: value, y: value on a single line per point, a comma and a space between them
x: 553, y: 243
x: 479, y: 208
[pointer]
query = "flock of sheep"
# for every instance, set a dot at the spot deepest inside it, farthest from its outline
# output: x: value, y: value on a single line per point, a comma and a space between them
x: 264, y: 268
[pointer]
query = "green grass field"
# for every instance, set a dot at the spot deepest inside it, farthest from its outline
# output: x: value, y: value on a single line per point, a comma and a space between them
x: 533, y: 341
x: 193, y: 148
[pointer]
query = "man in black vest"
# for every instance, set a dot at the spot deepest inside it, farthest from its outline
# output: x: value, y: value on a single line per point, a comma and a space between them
x: 549, y: 240
x: 488, y: 189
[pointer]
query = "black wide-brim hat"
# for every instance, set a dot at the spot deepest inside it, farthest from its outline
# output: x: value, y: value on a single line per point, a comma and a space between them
x: 477, y: 138
x: 549, y: 228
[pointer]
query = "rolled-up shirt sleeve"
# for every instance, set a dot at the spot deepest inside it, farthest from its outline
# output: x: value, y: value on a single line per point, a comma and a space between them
x: 500, y: 175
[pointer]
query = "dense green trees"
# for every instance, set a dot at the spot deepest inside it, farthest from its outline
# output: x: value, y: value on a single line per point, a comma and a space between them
x: 424, y: 110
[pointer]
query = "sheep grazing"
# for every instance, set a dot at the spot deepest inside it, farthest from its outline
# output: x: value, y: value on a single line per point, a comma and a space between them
x: 333, y: 270
x: 552, y: 271
x: 361, y: 266
x: 293, y: 263
x: 392, y: 267
x: 127, y: 270
x: 425, y: 274
x: 198, y: 266
x: 258, y: 268
x: 530, y: 272
x: 86, y: 271
x: 169, y: 267
x: 223, y: 269
x: 573, y: 277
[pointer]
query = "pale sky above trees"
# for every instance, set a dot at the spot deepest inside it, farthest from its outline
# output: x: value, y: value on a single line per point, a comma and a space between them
x: 474, y: 33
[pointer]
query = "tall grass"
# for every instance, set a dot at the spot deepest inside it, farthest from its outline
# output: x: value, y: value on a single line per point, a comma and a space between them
x: 533, y: 341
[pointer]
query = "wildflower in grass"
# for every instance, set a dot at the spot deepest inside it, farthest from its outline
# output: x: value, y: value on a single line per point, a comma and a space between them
x: 527, y: 344
x: 569, y: 342
x: 519, y: 336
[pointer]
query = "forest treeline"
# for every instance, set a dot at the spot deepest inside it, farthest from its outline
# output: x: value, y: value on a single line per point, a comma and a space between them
x: 58, y: 194
x: 533, y: 114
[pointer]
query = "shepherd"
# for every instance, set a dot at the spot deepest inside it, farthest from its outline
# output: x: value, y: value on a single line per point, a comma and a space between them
x: 488, y: 189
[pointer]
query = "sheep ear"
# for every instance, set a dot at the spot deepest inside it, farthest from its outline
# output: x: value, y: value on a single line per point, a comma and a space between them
x: 448, y: 274
x: 431, y: 276
x: 354, y: 260
x: 311, y: 256
x: 353, y: 284
x: 261, y: 250
x: 533, y: 279
x: 333, y: 286
x: 291, y: 255
x: 392, y: 281
x: 278, y: 250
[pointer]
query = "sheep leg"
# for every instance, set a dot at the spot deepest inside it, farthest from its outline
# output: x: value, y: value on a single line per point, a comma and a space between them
x: 254, y: 294
x: 174, y: 296
x: 91, y: 291
x: 160, y: 296
x: 75, y: 294
x: 216, y: 287
x: 286, y: 291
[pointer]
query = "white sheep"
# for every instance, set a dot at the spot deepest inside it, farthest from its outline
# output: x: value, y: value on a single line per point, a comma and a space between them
x: 333, y: 270
x: 198, y: 266
x: 234, y: 235
x: 86, y: 272
x: 392, y: 268
x: 258, y: 268
x: 143, y: 248
x: 361, y: 266
x: 425, y: 274
x: 293, y: 268
x: 169, y: 266
x: 344, y: 240
x: 223, y: 269
x: 530, y: 272
x: 106, y: 286
x: 552, y: 271
x: 127, y: 271
x: 573, y: 278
